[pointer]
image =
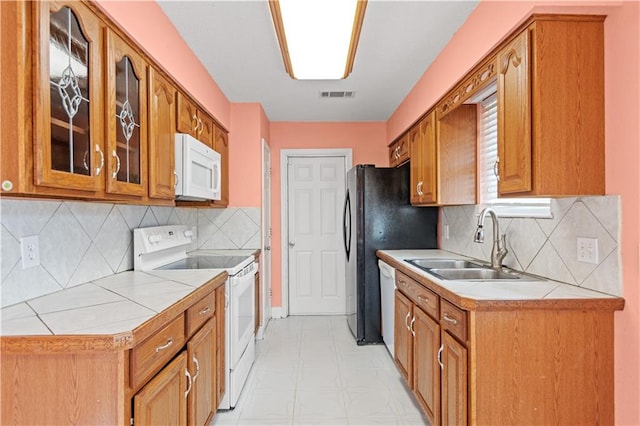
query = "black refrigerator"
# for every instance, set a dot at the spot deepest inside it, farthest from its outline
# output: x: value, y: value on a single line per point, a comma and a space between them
x: 378, y: 215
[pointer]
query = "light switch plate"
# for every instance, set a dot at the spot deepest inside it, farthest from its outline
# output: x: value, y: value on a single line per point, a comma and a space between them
x: 588, y: 250
x: 30, y: 251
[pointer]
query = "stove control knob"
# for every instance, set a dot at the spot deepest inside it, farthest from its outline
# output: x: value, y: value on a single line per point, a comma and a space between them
x: 155, y: 239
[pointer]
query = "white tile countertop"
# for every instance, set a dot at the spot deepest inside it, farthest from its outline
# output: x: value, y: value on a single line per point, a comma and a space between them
x: 111, y: 305
x: 523, y: 289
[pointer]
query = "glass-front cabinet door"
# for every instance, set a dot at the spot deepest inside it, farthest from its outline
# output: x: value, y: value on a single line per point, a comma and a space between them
x: 68, y: 143
x: 126, y: 112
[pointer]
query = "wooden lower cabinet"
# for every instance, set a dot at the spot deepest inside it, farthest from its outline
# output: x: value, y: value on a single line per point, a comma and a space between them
x: 535, y: 362
x: 403, y: 341
x: 167, y: 371
x: 221, y: 306
x: 426, y: 370
x: 161, y: 401
x: 454, y: 381
x: 416, y: 346
x: 202, y: 353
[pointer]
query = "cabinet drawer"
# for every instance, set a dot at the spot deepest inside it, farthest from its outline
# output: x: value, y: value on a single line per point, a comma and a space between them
x: 152, y: 354
x: 200, y: 312
x: 420, y: 295
x: 454, y: 320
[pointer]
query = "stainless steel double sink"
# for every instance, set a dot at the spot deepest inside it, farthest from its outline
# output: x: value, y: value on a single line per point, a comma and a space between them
x: 464, y: 270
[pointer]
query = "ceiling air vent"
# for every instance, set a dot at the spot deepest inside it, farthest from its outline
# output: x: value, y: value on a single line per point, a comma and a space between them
x: 338, y: 94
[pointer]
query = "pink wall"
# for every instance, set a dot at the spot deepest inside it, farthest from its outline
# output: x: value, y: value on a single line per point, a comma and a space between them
x: 369, y: 147
x: 484, y: 29
x: 622, y: 135
x: 146, y: 23
x: 245, y: 154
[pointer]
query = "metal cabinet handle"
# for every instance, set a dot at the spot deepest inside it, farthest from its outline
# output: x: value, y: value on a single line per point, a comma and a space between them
x: 449, y: 319
x: 413, y: 320
x: 267, y: 248
x: 115, y: 155
x: 495, y: 169
x: 165, y: 346
x: 424, y: 299
x: 292, y: 243
x: 420, y: 193
x: 440, y: 357
x: 101, y: 166
x: 194, y: 120
x: 195, y: 360
x: 406, y: 320
x: 189, y: 383
x: 175, y: 182
x: 205, y: 311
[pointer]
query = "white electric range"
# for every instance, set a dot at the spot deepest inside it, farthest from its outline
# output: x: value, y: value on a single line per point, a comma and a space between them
x: 165, y: 248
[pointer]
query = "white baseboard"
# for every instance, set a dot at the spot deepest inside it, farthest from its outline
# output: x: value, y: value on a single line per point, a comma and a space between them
x: 276, y: 313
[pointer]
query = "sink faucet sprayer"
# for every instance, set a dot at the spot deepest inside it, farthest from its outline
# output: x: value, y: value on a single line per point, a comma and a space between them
x: 499, y: 248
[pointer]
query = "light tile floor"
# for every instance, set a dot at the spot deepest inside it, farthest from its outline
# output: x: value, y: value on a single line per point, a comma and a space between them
x: 309, y: 371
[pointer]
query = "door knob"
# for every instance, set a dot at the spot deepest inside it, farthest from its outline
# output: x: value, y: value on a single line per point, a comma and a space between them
x: 267, y: 248
x: 292, y: 243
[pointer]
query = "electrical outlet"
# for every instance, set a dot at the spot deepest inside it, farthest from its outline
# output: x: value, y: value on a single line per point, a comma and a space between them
x: 446, y: 232
x: 588, y: 250
x: 30, y: 250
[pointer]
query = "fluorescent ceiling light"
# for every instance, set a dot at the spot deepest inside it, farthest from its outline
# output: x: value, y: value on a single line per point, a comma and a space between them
x: 318, y: 38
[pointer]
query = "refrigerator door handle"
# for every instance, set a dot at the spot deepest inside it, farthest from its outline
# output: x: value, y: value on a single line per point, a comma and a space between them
x: 346, y: 225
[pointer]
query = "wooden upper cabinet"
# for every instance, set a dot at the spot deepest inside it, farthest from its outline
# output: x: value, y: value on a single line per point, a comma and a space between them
x: 457, y: 151
x: 399, y: 151
x: 126, y: 118
x: 514, y: 116
x: 68, y: 142
x: 415, y: 165
x: 424, y: 161
x: 221, y: 145
x: 187, y: 116
x: 206, y: 132
x: 443, y: 158
x: 194, y: 122
x: 162, y: 119
x: 551, y: 108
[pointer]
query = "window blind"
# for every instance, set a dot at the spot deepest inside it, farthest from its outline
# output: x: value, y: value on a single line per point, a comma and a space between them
x: 487, y: 157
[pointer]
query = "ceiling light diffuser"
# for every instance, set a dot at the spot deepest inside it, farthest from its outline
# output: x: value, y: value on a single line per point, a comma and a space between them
x: 318, y: 38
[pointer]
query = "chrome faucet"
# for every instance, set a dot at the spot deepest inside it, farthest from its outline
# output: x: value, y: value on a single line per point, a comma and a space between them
x: 499, y: 248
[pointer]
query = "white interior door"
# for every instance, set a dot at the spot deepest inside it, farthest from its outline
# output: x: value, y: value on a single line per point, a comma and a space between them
x: 265, y: 274
x: 315, y: 193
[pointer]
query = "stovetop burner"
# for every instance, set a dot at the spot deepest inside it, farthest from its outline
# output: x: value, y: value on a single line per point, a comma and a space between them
x: 205, y: 262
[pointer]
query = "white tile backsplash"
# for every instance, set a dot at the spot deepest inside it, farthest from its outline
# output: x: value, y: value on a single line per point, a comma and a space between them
x: 86, y: 241
x: 548, y: 247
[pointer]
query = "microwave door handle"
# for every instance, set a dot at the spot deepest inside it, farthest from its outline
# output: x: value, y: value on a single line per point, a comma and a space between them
x: 218, y: 177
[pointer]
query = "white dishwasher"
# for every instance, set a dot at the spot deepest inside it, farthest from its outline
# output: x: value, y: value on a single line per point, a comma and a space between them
x: 387, y: 287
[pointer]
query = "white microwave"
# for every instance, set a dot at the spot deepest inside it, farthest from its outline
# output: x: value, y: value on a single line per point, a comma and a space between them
x: 197, y: 170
